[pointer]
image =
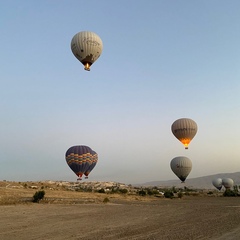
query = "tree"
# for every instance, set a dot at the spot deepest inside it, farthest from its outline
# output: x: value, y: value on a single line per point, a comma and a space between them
x: 39, y: 195
x: 229, y: 193
x: 142, y: 192
x: 168, y: 194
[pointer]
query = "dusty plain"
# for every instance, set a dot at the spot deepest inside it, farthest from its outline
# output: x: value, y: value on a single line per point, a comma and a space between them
x: 64, y: 215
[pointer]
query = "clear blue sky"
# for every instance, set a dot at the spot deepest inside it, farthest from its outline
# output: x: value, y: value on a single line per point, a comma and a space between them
x: 162, y: 60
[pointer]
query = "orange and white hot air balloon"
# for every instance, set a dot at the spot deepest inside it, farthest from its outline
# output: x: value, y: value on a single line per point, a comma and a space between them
x: 184, y: 129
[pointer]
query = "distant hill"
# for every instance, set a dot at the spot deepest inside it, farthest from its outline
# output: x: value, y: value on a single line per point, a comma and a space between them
x: 198, y: 183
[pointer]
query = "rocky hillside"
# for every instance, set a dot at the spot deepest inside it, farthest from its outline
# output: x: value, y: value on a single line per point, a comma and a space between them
x: 204, y: 182
x: 198, y: 183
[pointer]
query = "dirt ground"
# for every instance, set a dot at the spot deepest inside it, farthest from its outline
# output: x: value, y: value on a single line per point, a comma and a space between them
x: 137, y: 218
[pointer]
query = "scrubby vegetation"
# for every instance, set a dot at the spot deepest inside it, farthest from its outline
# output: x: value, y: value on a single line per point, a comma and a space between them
x: 106, y: 200
x: 124, y: 191
x: 101, y: 190
x: 39, y: 195
x: 180, y: 194
x: 85, y: 192
x: 142, y: 192
x: 230, y: 193
x: 168, y: 194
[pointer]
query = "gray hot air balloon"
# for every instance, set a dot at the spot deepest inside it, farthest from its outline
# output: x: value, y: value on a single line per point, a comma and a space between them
x: 184, y: 129
x: 227, y: 183
x: 181, y: 166
x: 217, y: 183
x: 87, y: 48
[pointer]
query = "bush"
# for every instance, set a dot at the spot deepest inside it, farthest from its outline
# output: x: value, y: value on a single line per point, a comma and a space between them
x: 39, y: 195
x: 142, y: 193
x: 155, y: 191
x: 235, y: 188
x: 229, y: 193
x: 168, y: 194
x: 124, y: 190
x: 101, y: 190
x: 180, y: 194
x: 106, y: 200
x: 114, y: 190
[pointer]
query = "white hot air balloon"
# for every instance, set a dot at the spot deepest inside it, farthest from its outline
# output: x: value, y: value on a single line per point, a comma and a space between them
x: 184, y: 129
x: 181, y: 166
x: 227, y: 183
x: 217, y: 183
x: 87, y: 48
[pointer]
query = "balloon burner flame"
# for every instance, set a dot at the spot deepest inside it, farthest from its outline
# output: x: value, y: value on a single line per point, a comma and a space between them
x: 87, y: 67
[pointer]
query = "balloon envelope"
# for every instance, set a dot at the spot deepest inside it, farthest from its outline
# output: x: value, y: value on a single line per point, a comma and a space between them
x: 181, y: 166
x: 217, y: 183
x: 87, y: 48
x: 91, y: 166
x: 227, y: 183
x: 184, y: 129
x: 81, y: 159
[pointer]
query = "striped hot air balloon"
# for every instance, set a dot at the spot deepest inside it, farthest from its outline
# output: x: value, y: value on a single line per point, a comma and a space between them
x: 91, y: 166
x: 81, y: 159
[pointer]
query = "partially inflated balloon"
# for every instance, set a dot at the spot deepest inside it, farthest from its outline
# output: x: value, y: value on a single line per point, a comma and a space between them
x: 184, y: 129
x: 227, y: 183
x: 87, y: 48
x: 81, y: 159
x: 217, y: 183
x: 181, y: 166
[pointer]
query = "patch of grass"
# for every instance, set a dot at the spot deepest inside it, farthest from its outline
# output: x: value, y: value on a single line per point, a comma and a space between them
x: 106, y: 200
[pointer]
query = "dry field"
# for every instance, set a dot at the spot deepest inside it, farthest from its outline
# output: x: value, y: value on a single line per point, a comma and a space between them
x: 77, y: 215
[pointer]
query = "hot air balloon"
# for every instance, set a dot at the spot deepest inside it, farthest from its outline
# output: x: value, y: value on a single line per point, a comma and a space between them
x: 227, y: 183
x: 87, y: 48
x: 181, y: 166
x: 81, y: 159
x: 184, y: 129
x: 217, y: 183
x: 91, y: 166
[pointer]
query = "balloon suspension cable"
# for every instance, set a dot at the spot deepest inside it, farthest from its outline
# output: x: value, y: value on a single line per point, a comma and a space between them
x: 87, y: 67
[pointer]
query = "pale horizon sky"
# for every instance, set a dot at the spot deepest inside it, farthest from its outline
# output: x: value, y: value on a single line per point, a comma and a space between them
x: 161, y: 60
